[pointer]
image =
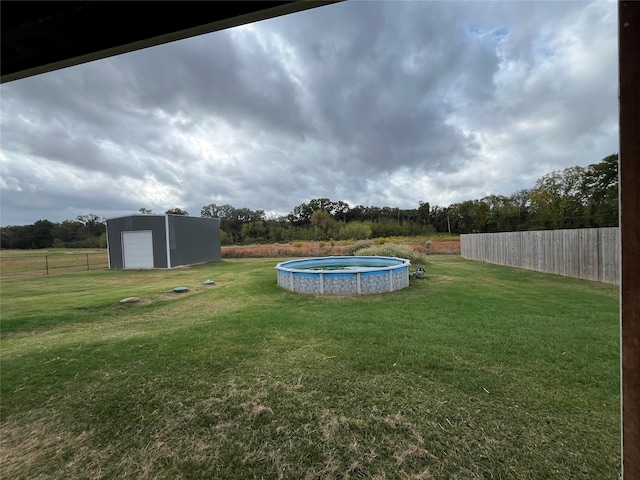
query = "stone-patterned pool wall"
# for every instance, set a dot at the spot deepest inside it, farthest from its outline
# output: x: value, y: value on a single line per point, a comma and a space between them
x: 347, y: 282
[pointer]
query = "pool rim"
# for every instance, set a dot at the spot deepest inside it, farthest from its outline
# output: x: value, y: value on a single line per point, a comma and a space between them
x: 401, y: 263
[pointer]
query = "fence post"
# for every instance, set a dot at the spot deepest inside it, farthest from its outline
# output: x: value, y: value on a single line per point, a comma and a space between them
x: 87, y: 261
x: 46, y: 262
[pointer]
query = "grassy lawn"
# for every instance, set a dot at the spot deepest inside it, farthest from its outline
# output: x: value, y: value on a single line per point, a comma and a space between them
x: 478, y: 371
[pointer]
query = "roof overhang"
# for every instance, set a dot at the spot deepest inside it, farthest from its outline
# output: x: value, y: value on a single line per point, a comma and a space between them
x: 39, y: 37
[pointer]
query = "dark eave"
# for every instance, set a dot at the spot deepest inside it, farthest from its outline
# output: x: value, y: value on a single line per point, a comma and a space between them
x: 39, y: 37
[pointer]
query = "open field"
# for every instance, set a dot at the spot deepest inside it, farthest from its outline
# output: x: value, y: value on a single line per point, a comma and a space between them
x: 21, y: 263
x: 28, y: 263
x: 478, y: 371
x: 324, y: 249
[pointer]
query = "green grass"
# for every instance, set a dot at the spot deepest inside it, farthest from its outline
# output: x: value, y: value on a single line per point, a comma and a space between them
x: 478, y: 371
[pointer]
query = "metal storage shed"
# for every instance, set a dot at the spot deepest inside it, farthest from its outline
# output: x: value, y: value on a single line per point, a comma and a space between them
x: 162, y: 241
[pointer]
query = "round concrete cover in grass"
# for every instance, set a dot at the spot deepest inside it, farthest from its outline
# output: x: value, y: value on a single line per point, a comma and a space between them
x: 208, y: 282
x: 130, y: 300
x: 181, y: 289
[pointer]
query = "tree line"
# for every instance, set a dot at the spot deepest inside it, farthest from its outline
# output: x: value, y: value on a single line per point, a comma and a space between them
x: 576, y: 197
x: 86, y: 231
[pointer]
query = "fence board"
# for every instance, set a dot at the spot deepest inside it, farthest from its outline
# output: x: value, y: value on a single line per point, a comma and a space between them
x: 588, y: 253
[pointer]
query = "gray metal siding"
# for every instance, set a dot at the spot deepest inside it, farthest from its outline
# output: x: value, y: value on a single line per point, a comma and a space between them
x: 133, y: 223
x: 194, y: 240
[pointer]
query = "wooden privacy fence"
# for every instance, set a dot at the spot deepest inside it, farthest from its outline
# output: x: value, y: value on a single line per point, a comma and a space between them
x: 587, y: 253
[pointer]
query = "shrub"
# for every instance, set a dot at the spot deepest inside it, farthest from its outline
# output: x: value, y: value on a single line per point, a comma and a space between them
x: 352, y: 249
x: 394, y: 250
x: 102, y: 240
x: 355, y: 231
x: 225, y: 238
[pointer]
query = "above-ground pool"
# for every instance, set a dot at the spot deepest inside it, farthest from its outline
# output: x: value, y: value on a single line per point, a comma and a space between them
x: 344, y: 275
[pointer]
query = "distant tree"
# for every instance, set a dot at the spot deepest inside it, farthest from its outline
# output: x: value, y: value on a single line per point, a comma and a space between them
x: 14, y: 236
x: 423, y: 212
x: 176, y: 211
x: 323, y: 204
x: 232, y: 219
x: 38, y: 235
x: 145, y: 211
x: 254, y: 231
x: 69, y: 231
x: 42, y: 234
x: 503, y: 214
x: 558, y: 200
x: 246, y: 215
x: 340, y: 210
x: 216, y: 211
x: 225, y: 238
x: 601, y: 186
x: 463, y: 217
x: 521, y: 200
x: 321, y: 221
x: 93, y: 224
x: 5, y: 237
x: 300, y: 215
x: 355, y: 231
x: 438, y: 218
x: 357, y: 213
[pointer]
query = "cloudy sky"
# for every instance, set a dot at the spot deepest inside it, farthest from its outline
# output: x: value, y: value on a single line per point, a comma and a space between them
x: 377, y: 103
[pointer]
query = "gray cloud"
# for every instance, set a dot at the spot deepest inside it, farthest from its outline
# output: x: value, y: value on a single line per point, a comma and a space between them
x: 377, y: 103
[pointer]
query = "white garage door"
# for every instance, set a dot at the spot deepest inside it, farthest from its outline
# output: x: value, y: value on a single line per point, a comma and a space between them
x: 137, y: 249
